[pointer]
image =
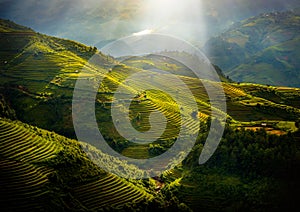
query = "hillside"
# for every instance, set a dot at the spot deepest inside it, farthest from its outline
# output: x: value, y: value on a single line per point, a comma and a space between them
x: 45, y: 171
x: 39, y: 72
x: 258, y: 154
x: 262, y: 49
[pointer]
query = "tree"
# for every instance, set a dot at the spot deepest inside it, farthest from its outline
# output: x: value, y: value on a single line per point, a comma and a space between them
x: 194, y: 114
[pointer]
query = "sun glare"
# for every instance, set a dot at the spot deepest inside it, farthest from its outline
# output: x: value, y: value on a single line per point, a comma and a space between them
x: 176, y: 17
x: 144, y: 32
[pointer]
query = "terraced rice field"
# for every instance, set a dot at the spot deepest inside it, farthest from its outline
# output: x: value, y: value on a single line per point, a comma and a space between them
x: 22, y: 186
x: 172, y: 175
x: 157, y: 100
x: 25, y: 174
x: 19, y: 143
x: 21, y: 180
x: 109, y: 191
x: 136, y: 151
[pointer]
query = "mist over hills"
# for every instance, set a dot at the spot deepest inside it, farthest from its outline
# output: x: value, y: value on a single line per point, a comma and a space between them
x: 270, y: 56
x: 92, y: 21
x: 262, y: 49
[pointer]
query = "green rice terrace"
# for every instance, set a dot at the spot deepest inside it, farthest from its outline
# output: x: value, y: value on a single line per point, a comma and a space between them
x: 39, y: 171
x: 43, y: 166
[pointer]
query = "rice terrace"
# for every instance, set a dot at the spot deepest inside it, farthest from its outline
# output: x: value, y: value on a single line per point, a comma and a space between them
x: 252, y: 48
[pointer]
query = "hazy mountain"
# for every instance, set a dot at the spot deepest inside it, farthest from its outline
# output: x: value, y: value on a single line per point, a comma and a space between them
x: 263, y: 49
x: 44, y: 171
x: 92, y: 21
x: 39, y: 72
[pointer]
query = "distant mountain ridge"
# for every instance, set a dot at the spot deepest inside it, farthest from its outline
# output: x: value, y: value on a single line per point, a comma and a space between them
x: 264, y: 49
x: 92, y: 21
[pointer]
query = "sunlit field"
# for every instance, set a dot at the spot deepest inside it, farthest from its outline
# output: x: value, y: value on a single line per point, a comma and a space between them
x: 198, y: 112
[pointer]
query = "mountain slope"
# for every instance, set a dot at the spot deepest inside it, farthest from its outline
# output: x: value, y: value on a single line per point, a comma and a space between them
x: 36, y: 69
x: 263, y: 49
x: 38, y: 74
x: 45, y: 171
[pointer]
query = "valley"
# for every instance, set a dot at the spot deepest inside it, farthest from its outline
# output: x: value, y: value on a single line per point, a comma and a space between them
x: 43, y: 165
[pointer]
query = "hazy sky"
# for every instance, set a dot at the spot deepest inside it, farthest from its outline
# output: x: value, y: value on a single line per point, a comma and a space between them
x: 91, y: 21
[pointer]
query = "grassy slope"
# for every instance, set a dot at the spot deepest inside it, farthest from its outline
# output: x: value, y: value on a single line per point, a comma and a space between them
x: 39, y: 74
x: 9, y: 26
x: 262, y: 49
x: 37, y: 78
x: 46, y: 171
x: 274, y: 65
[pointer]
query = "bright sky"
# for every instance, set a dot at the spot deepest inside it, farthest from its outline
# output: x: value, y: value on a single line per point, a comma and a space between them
x: 91, y: 21
x: 175, y: 17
